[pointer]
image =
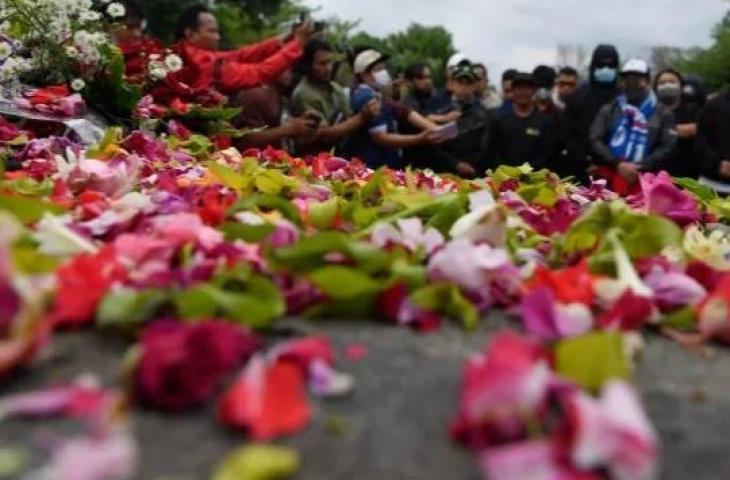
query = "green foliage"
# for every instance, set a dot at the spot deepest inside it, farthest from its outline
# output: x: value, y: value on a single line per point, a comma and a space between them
x: 241, y: 21
x: 713, y: 63
x: 418, y: 43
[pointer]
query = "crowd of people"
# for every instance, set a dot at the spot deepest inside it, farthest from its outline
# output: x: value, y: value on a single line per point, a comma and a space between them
x: 619, y: 121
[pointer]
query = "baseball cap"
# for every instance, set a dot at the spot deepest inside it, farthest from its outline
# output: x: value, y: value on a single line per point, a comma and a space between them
x: 367, y: 59
x: 635, y: 66
x: 455, y: 60
x: 464, y: 71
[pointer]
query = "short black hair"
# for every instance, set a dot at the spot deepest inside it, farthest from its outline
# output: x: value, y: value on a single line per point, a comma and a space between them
x: 190, y: 18
x: 415, y: 70
x: 568, y: 71
x: 671, y: 71
x: 544, y: 76
x: 509, y: 75
x: 310, y: 51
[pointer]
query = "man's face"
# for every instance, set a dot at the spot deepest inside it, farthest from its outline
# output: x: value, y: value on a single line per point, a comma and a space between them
x: 523, y: 94
x: 567, y: 84
x: 634, y: 83
x: 322, y: 66
x: 423, y: 83
x: 464, y: 89
x: 207, y: 35
x: 482, y: 80
x: 507, y: 91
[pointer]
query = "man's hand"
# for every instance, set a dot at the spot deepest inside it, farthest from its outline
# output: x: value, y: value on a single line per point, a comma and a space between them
x: 629, y: 172
x: 431, y: 137
x: 687, y: 130
x: 725, y: 168
x: 465, y: 170
x: 304, y: 32
x: 300, y: 127
x: 445, y: 118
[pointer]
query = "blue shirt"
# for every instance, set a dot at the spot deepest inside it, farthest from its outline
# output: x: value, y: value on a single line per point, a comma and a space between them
x: 362, y: 145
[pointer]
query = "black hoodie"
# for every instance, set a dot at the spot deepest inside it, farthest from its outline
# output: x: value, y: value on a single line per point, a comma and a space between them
x: 581, y: 109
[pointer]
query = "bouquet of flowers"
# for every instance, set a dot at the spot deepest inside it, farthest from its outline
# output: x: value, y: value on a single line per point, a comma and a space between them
x: 55, y: 43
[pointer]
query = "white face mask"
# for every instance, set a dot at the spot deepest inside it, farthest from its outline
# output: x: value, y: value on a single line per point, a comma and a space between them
x: 382, y: 78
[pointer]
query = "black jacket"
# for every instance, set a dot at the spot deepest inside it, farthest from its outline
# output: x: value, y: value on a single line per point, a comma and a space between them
x: 581, y: 109
x: 683, y: 161
x: 662, y: 137
x: 515, y: 140
x: 713, y: 137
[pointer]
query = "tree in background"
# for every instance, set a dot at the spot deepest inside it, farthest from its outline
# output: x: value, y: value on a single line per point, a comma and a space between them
x: 712, y: 64
x: 242, y: 21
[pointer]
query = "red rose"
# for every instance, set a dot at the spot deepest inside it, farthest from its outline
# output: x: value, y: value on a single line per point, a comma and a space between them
x: 182, y: 365
x: 82, y: 283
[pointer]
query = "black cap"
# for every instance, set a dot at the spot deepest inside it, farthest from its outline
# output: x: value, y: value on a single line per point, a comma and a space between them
x: 524, y: 79
x: 464, y: 71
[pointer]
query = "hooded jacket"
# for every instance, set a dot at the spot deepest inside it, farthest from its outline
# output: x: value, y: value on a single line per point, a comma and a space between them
x: 581, y: 110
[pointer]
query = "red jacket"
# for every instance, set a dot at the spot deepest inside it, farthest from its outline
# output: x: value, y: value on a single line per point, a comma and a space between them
x: 247, y: 67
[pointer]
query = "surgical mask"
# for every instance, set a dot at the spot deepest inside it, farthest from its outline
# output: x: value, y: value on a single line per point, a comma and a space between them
x: 382, y: 78
x: 543, y: 94
x: 669, y: 93
x: 605, y: 75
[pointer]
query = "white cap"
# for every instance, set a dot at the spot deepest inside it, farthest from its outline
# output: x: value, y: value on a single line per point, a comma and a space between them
x: 367, y: 59
x: 455, y: 60
x: 636, y: 66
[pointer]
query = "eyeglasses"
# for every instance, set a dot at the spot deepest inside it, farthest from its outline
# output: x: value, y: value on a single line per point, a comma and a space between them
x: 567, y: 84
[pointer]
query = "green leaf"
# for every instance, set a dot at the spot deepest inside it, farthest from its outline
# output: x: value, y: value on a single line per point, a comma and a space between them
x: 344, y: 283
x: 270, y: 181
x: 448, y: 300
x: 198, y: 145
x: 28, y: 210
x: 266, y: 202
x: 410, y: 199
x: 310, y: 251
x: 125, y: 308
x: 256, y: 304
x: 248, y: 233
x: 448, y: 213
x: 322, y: 215
x: 198, y: 112
x: 684, y: 319
x: 228, y: 177
x: 703, y: 192
x: 195, y: 303
x: 364, y: 216
x: 30, y: 261
x: 593, y: 359
x: 258, y: 462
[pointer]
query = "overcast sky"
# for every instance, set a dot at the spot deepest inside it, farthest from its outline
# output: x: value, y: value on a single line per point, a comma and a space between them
x: 523, y: 33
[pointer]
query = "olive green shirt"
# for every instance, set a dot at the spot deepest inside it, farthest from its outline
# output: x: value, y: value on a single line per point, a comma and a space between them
x: 329, y: 102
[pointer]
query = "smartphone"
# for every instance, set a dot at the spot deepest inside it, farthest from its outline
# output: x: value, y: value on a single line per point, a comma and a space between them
x: 448, y: 131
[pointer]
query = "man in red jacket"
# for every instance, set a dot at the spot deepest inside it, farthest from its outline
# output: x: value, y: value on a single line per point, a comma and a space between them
x: 230, y: 71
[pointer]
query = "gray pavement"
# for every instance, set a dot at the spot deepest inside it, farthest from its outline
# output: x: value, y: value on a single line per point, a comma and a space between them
x: 394, y: 425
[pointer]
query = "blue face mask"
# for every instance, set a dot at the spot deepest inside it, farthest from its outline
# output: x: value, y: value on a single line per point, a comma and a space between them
x: 605, y: 75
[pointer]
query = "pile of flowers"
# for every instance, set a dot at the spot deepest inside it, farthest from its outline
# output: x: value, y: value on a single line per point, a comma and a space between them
x: 189, y: 248
x: 56, y: 42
